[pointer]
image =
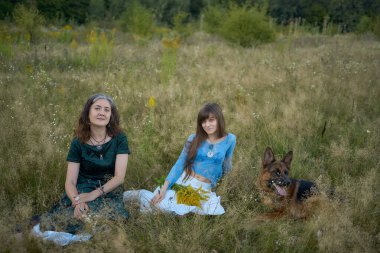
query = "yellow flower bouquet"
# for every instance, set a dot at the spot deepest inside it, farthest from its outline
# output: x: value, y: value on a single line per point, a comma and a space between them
x: 187, y: 194
x: 190, y: 196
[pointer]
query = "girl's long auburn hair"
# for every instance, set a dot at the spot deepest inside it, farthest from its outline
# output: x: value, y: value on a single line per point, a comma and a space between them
x: 82, y: 131
x: 200, y: 135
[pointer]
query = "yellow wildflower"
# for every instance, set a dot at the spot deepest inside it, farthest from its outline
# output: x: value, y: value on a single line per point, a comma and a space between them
x: 191, y: 197
x: 92, y: 37
x: 67, y: 28
x: 151, y: 102
x: 171, y: 43
x: 29, y: 68
x: 55, y: 35
x: 74, y: 44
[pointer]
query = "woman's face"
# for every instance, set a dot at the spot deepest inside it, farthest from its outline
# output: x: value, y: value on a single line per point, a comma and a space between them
x: 100, y: 113
x: 210, y: 125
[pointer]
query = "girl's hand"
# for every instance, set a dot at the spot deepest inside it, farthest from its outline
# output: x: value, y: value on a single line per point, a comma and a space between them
x: 161, y: 194
x: 158, y: 197
x: 80, y: 210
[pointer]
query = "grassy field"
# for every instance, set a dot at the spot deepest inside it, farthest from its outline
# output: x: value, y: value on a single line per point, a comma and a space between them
x: 279, y: 95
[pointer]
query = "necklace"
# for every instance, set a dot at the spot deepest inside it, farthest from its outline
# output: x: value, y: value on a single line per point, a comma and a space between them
x: 99, y: 144
x: 210, y: 152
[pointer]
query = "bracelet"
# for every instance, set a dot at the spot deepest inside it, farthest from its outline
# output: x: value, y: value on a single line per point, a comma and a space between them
x: 76, y: 200
x: 101, y: 190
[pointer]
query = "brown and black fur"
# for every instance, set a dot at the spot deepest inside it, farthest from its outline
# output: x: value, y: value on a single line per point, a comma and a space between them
x: 293, y: 197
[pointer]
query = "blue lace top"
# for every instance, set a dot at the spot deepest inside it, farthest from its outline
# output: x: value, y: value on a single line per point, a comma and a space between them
x: 212, y: 160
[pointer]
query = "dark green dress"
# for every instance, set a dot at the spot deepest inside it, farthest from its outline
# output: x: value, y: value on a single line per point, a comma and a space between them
x: 97, y: 166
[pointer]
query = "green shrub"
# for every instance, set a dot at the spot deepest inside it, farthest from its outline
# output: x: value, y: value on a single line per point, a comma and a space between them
x: 5, y: 50
x: 97, y: 10
x: 241, y: 25
x: 369, y: 25
x: 29, y: 20
x: 101, y: 47
x: 247, y: 27
x: 376, y: 26
x: 181, y: 24
x: 213, y: 18
x: 138, y: 20
x: 6, y: 40
x: 365, y: 25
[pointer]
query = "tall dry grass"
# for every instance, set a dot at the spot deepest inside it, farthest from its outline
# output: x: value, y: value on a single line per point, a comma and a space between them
x: 279, y: 95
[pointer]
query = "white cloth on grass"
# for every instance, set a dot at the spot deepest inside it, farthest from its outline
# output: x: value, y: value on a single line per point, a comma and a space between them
x: 169, y: 204
x: 60, y: 238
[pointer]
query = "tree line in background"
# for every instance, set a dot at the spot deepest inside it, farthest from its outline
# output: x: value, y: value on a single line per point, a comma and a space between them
x: 244, y: 22
x: 348, y: 14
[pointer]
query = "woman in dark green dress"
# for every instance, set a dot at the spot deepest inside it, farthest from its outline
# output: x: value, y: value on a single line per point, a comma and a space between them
x: 97, y: 162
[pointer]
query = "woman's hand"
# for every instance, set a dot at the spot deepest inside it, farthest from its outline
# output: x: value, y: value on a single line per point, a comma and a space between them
x: 90, y: 196
x: 80, y: 210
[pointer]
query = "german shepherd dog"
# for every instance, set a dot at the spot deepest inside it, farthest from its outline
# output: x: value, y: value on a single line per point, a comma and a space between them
x: 287, y: 196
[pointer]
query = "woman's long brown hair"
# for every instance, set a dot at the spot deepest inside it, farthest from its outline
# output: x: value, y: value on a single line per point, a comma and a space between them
x: 82, y: 131
x: 209, y: 109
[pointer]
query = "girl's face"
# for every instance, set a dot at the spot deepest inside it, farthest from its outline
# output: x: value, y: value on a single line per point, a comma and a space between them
x: 210, y: 125
x: 100, y: 113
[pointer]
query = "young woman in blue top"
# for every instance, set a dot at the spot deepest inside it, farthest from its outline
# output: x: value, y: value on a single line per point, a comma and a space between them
x: 97, y: 163
x: 206, y: 157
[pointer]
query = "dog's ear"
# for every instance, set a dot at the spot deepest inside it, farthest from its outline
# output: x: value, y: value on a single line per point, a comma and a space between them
x: 288, y: 159
x: 268, y: 157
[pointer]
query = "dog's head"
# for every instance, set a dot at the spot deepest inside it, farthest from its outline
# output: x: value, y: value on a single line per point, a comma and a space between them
x: 274, y: 175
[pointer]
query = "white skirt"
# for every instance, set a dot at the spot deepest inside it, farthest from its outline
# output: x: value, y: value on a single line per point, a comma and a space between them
x: 169, y: 204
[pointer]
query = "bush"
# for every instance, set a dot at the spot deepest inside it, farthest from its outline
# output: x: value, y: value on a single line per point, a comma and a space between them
x: 369, y: 24
x: 241, y: 25
x: 213, y: 18
x: 97, y: 10
x: 365, y: 25
x: 376, y: 26
x: 181, y: 24
x: 138, y: 20
x: 29, y: 20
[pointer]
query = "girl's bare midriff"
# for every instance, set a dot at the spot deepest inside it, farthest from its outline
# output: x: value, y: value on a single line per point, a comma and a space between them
x: 201, y: 178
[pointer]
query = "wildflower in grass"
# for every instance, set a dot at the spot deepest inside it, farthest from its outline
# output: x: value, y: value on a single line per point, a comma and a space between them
x: 151, y: 105
x: 29, y: 68
x: 67, y: 28
x: 55, y: 34
x: 169, y: 57
x: 100, y: 47
x: 92, y: 37
x: 151, y: 102
x: 171, y: 43
x: 74, y: 44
